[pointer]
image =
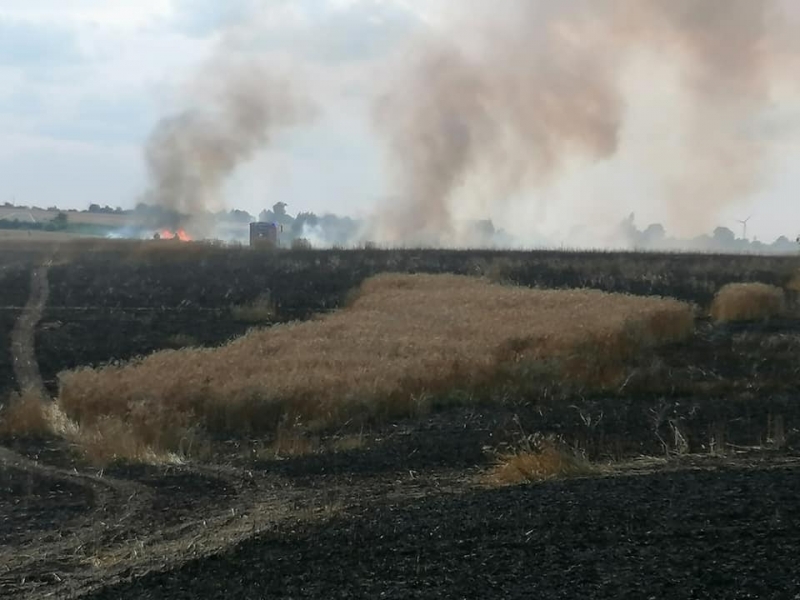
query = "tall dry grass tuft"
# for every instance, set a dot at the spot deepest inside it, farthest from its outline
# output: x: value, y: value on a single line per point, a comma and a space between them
x: 403, y: 338
x: 748, y: 302
x: 540, y: 461
x: 25, y: 415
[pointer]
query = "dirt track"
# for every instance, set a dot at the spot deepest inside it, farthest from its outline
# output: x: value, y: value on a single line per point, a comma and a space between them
x: 23, y: 337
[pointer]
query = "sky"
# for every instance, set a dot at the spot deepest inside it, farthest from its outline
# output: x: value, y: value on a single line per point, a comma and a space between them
x: 83, y: 83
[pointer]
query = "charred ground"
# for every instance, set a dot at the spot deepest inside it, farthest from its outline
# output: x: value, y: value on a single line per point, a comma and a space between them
x: 399, y: 510
x: 113, y: 305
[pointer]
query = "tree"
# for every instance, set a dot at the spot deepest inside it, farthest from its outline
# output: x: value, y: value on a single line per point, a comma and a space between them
x: 94, y: 208
x: 240, y: 216
x: 654, y: 234
x: 724, y: 237
x: 279, y: 208
x: 60, y: 221
x: 303, y: 219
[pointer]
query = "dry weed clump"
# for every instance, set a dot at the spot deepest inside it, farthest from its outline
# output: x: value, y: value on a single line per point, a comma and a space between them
x: 402, y: 338
x: 541, y: 461
x: 748, y: 302
x: 25, y: 415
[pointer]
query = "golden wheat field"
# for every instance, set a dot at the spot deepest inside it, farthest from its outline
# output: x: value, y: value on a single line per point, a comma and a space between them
x: 401, y: 339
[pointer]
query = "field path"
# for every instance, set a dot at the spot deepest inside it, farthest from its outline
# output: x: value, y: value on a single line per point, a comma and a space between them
x: 23, y: 337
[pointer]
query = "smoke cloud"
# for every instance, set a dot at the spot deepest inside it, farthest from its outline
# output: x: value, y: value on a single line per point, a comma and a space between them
x: 511, y: 94
x: 236, y: 105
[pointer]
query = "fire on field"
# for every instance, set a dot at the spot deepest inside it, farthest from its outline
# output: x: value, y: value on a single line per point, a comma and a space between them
x: 404, y: 342
x: 179, y: 234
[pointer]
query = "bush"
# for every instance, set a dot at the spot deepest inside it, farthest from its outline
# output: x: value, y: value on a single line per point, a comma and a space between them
x: 748, y: 302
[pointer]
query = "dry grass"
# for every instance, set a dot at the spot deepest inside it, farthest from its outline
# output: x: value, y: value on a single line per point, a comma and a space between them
x: 794, y: 282
x: 106, y: 440
x: 110, y: 439
x: 25, y: 415
x: 748, y: 302
x: 261, y: 310
x: 548, y: 460
x: 348, y: 443
x: 403, y: 338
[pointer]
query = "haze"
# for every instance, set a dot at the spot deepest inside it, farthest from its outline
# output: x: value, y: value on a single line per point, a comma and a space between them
x: 397, y: 111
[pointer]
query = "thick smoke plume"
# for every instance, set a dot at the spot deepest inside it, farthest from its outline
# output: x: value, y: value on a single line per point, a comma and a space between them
x: 235, y: 108
x: 516, y: 91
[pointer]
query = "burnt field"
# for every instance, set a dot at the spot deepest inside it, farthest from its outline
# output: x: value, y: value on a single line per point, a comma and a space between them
x: 693, y: 452
x: 108, y: 306
x: 15, y: 286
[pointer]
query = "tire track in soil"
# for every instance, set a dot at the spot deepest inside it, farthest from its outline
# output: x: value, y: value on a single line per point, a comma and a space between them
x: 113, y: 501
x: 124, y: 533
x: 38, y: 556
x: 23, y: 336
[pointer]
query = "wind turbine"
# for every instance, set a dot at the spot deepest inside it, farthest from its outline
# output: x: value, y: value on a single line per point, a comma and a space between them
x: 744, y: 225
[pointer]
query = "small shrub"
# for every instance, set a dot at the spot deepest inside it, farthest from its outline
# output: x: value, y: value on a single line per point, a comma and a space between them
x: 748, y: 302
x: 25, y: 415
x: 262, y: 310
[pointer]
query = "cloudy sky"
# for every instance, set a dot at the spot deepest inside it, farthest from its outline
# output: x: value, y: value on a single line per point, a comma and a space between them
x: 83, y: 82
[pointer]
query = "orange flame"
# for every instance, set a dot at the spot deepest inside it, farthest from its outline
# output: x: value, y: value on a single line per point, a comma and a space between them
x: 166, y: 234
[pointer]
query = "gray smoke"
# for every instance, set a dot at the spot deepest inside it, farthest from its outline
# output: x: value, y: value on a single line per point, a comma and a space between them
x: 520, y: 88
x: 236, y: 107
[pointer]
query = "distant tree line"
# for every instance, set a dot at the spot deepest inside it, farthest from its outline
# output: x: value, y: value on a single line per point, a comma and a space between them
x: 723, y: 239
x: 59, y: 223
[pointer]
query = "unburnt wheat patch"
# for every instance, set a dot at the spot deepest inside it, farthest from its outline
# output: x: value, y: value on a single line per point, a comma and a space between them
x: 748, y: 302
x: 401, y: 338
